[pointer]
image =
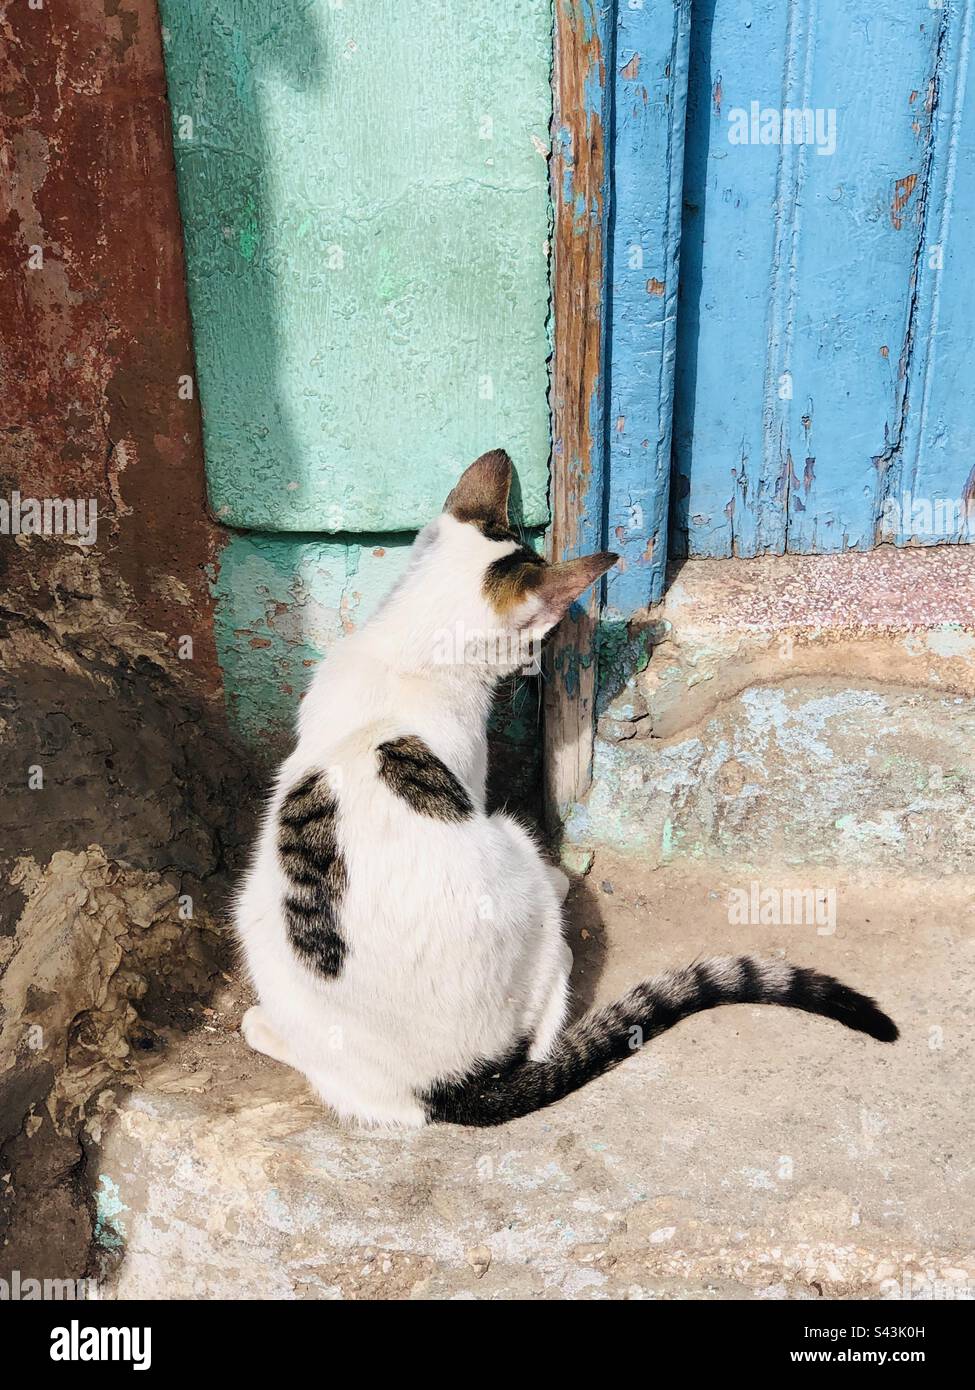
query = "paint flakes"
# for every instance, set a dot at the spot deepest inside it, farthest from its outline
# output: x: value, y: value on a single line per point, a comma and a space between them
x: 109, y: 1230
x: 903, y: 189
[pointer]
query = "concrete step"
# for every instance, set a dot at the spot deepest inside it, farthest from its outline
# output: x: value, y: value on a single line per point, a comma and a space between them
x: 750, y: 1152
x: 796, y: 710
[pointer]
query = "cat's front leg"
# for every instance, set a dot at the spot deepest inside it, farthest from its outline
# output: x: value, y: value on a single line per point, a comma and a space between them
x: 529, y: 852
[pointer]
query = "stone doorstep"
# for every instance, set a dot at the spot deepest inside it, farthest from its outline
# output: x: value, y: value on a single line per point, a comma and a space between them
x: 903, y: 617
x: 887, y: 590
x: 796, y: 708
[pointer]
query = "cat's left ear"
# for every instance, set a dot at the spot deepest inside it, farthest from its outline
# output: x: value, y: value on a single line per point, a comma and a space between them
x: 560, y: 585
x: 481, y: 492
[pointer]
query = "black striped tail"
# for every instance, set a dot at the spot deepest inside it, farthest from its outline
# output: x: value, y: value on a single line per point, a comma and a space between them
x: 514, y: 1086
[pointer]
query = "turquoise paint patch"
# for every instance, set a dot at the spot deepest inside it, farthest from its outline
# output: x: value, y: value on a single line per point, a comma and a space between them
x: 620, y: 656
x: 109, y: 1230
x: 281, y: 602
x: 950, y: 640
x: 249, y: 236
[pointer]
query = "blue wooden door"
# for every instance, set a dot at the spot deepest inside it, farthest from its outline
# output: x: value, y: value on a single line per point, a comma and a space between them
x: 816, y: 350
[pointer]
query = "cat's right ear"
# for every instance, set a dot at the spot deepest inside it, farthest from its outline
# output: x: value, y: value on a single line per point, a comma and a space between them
x: 481, y: 492
x: 561, y: 584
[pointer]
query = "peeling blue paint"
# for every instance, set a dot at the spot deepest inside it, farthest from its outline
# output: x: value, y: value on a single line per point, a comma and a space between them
x: 826, y: 304
x: 650, y: 95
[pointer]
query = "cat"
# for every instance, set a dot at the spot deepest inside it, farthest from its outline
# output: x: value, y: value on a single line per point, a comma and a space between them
x: 406, y: 947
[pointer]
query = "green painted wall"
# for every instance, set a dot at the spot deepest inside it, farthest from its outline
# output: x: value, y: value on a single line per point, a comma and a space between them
x: 364, y: 192
x: 281, y: 603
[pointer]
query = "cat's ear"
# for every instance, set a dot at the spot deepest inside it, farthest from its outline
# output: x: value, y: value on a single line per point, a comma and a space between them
x: 561, y: 584
x: 481, y: 493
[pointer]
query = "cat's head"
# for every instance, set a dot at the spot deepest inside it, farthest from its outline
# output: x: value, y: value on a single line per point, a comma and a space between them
x: 504, y: 596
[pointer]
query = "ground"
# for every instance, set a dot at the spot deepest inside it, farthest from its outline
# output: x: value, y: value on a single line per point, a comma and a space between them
x: 749, y: 1153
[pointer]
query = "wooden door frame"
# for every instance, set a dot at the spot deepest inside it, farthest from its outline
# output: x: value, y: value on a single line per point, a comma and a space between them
x: 579, y: 168
x: 620, y: 78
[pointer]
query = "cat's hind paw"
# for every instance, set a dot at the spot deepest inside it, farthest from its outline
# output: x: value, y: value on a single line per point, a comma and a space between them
x: 259, y: 1035
x: 560, y: 881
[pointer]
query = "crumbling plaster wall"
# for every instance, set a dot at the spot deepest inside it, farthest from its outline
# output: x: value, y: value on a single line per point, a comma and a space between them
x: 124, y: 796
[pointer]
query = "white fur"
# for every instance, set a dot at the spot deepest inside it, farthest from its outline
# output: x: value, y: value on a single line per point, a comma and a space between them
x: 454, y: 932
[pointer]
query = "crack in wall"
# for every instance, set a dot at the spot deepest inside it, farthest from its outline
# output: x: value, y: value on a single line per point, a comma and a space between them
x: 890, y: 459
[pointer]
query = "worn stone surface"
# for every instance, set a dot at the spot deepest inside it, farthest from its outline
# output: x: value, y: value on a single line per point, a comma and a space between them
x: 751, y: 1152
x: 807, y: 771
x: 796, y: 709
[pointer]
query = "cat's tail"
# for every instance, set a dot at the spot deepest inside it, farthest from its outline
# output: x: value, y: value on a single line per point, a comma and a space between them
x: 513, y: 1086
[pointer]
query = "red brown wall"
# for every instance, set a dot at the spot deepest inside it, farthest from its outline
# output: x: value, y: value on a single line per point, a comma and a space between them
x: 144, y: 793
x: 95, y: 342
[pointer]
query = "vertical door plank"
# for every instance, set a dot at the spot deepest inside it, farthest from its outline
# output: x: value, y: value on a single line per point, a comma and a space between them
x: 728, y: 244
x: 860, y: 216
x: 650, y: 102
x: 800, y: 328
x: 928, y: 493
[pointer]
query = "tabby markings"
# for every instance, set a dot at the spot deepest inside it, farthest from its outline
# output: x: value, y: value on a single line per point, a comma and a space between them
x: 311, y: 859
x: 509, y: 580
x: 409, y: 769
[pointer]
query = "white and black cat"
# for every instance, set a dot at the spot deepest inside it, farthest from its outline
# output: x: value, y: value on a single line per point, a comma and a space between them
x: 406, y: 947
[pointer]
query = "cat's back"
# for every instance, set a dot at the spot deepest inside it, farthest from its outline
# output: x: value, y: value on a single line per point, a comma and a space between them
x: 380, y: 818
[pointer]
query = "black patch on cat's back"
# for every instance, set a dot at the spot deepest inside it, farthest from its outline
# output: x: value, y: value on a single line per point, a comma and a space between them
x: 310, y: 856
x: 413, y: 772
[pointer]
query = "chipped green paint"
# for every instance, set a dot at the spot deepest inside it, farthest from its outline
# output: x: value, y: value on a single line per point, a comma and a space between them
x: 109, y: 1230
x: 365, y: 201
x: 620, y: 655
x: 281, y: 601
